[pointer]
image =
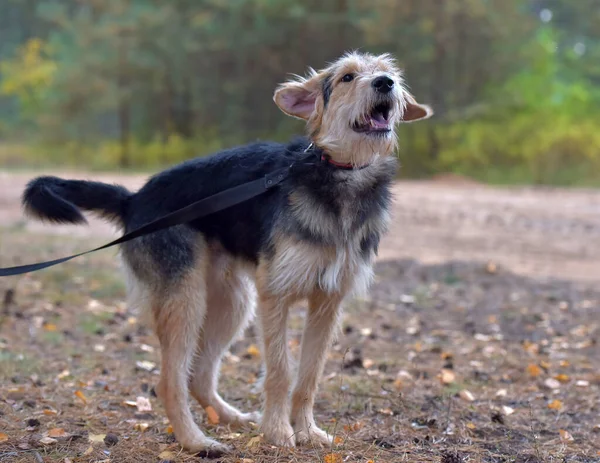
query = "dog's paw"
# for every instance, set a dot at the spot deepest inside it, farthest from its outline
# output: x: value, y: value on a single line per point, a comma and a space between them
x: 206, y: 447
x: 280, y: 434
x: 313, y: 436
x: 241, y: 418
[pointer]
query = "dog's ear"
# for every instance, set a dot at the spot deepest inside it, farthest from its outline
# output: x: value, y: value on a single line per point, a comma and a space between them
x: 298, y: 98
x: 415, y: 111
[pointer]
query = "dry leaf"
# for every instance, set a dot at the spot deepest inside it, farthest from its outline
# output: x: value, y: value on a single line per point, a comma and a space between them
x: 57, y: 432
x: 466, y: 395
x: 253, y: 351
x: 534, y: 370
x: 552, y: 383
x: 507, y: 410
x: 501, y: 393
x: 471, y: 426
x: 3, y: 437
x: 130, y: 403
x: 96, y: 438
x: 145, y: 365
x: 333, y: 458
x: 89, y: 450
x: 167, y: 455
x: 491, y: 267
x: 582, y: 383
x: 63, y: 374
x: 212, y: 415
x: 565, y: 436
x: 338, y: 440
x: 254, y: 442
x: 386, y: 411
x: 563, y: 378
x: 169, y: 429
x: 80, y: 395
x: 99, y: 348
x: 48, y: 441
x: 368, y: 363
x: 141, y: 426
x: 353, y: 427
x: 555, y: 405
x: 447, y: 376
x: 49, y: 412
x: 143, y: 404
x: 50, y: 327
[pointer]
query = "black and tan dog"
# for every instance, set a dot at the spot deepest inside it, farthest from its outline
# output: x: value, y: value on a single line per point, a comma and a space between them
x: 312, y: 237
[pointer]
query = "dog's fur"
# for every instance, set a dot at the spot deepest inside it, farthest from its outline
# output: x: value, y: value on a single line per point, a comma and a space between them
x: 312, y: 237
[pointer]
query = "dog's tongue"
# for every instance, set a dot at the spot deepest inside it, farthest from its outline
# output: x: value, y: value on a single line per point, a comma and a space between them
x: 378, y: 121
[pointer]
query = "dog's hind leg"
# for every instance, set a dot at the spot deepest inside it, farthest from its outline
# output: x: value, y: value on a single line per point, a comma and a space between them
x: 178, y: 312
x: 231, y: 303
x: 321, y: 322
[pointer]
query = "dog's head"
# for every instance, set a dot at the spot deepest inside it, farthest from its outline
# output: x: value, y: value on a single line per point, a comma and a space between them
x: 353, y: 106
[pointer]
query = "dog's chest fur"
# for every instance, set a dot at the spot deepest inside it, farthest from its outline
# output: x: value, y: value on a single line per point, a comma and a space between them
x: 330, y: 236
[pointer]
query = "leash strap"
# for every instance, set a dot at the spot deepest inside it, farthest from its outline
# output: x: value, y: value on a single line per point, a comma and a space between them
x: 202, y: 208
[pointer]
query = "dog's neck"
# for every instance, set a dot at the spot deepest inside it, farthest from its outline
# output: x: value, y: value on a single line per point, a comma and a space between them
x: 326, y: 158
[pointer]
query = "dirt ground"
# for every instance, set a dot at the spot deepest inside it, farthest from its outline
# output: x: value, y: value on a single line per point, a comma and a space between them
x: 477, y: 343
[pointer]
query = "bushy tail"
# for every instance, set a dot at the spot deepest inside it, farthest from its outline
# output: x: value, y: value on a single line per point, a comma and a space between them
x: 60, y: 201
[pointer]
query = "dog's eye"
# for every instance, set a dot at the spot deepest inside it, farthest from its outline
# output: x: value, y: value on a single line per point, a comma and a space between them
x: 348, y: 78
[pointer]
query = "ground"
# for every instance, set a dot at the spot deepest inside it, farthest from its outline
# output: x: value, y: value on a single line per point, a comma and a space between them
x: 477, y: 343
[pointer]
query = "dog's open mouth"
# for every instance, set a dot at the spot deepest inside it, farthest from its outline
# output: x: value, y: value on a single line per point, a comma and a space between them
x: 376, y: 122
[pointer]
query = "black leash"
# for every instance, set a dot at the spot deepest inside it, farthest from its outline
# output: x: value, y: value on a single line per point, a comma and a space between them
x: 197, y: 210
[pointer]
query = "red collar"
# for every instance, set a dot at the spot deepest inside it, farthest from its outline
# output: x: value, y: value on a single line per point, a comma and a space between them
x: 340, y: 165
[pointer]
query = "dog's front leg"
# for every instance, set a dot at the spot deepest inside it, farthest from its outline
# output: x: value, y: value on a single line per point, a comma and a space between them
x: 321, y: 321
x: 275, y: 424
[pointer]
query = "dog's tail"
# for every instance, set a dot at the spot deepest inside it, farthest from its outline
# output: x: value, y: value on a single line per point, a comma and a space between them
x: 60, y: 201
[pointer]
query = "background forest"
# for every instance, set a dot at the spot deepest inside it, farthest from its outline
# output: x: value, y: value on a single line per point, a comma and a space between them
x: 138, y: 84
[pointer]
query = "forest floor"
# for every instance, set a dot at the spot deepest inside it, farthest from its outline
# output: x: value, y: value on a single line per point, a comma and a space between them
x: 478, y: 341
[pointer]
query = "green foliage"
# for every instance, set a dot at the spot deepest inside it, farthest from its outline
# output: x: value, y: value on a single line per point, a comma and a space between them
x: 142, y: 84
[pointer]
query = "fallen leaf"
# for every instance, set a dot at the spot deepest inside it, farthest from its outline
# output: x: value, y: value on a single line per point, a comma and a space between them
x: 80, y: 395
x: 50, y: 327
x: 333, y: 458
x: 169, y: 429
x: 48, y: 441
x: 471, y: 426
x: 353, y: 427
x: 552, y: 383
x: 368, y: 363
x: 99, y: 348
x: 130, y: 403
x: 57, y: 432
x: 582, y: 383
x: 534, y: 370
x: 63, y: 374
x: 141, y: 426
x: 145, y: 365
x: 89, y: 450
x: 212, y: 415
x: 501, y: 393
x: 96, y: 438
x: 253, y: 351
x: 386, y: 411
x: 49, y: 412
x: 565, y: 436
x: 254, y: 442
x: 447, y: 376
x: 143, y: 404
x: 467, y: 395
x: 339, y: 440
x: 563, y: 378
x: 3, y: 437
x: 507, y: 410
x: 167, y: 455
x: 555, y: 405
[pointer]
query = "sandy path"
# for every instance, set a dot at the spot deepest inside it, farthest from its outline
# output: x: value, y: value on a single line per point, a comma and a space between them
x: 542, y: 232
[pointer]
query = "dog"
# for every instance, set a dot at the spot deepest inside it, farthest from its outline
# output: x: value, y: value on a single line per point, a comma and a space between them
x: 314, y: 237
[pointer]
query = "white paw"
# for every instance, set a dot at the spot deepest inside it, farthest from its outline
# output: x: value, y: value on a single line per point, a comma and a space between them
x: 280, y: 434
x: 205, y: 447
x: 313, y: 436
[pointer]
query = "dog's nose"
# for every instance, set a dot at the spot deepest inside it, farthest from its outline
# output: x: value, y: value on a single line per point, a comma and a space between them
x: 382, y: 84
